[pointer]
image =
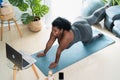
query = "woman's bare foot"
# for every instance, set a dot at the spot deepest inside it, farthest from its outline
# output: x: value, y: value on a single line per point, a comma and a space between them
x: 41, y: 54
x: 98, y: 36
x: 53, y: 65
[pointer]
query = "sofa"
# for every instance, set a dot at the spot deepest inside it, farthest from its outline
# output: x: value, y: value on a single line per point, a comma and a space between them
x: 112, y: 19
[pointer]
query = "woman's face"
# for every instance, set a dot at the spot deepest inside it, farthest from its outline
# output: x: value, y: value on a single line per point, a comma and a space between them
x: 56, y: 31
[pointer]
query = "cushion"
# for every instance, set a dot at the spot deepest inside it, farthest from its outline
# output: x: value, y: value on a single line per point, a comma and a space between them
x: 89, y: 6
x: 117, y: 22
x: 116, y: 28
x: 108, y: 23
x: 113, y: 12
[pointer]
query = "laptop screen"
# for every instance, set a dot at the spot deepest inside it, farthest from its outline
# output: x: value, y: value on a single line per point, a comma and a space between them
x: 14, y: 56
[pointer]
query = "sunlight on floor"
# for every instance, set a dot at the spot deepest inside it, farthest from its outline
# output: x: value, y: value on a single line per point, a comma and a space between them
x: 63, y: 8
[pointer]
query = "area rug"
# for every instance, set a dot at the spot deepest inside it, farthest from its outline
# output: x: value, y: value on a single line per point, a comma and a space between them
x: 69, y: 56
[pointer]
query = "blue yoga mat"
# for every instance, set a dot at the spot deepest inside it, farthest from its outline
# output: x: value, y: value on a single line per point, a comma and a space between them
x: 69, y: 56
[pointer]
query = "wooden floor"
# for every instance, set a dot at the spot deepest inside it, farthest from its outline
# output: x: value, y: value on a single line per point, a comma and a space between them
x: 103, y: 65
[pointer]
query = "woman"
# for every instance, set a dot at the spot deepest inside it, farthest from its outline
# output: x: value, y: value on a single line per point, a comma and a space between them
x: 67, y: 35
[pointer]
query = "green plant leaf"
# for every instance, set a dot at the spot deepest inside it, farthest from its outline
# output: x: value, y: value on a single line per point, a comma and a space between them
x: 34, y: 8
x: 41, y: 10
x: 15, y: 2
x: 26, y: 18
x: 23, y: 6
x: 112, y: 2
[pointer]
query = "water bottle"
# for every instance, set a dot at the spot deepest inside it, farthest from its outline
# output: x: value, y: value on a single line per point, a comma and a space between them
x: 50, y: 75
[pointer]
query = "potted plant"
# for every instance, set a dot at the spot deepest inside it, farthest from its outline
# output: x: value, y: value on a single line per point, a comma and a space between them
x: 34, y: 10
x: 112, y: 2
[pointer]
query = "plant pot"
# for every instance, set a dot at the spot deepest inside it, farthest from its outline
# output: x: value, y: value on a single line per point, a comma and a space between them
x: 35, y: 26
x: 6, y: 12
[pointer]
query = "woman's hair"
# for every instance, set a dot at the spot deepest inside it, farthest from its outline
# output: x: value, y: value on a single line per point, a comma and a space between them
x: 61, y: 23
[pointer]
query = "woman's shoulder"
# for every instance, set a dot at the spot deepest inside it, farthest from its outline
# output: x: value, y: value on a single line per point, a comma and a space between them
x: 68, y: 35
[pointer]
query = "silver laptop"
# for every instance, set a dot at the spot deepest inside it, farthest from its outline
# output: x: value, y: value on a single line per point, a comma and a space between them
x: 19, y: 58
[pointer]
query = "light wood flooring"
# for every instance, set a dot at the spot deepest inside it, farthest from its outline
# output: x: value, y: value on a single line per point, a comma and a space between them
x: 102, y: 65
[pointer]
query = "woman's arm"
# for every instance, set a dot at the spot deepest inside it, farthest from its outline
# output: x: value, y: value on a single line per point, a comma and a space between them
x: 63, y: 45
x: 50, y: 42
x: 48, y: 45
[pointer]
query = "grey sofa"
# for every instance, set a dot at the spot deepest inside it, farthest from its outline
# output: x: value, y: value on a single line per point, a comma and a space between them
x: 112, y: 19
x: 111, y: 16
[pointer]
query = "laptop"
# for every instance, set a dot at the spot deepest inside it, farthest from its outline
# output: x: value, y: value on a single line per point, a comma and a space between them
x: 19, y: 58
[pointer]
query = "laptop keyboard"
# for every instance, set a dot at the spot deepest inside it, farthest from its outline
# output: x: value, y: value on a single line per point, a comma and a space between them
x: 25, y: 63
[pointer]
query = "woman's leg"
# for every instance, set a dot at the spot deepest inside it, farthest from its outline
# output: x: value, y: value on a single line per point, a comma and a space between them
x: 94, y: 38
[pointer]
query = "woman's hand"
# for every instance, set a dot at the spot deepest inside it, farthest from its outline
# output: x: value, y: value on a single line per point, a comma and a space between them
x: 53, y: 65
x: 41, y: 54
